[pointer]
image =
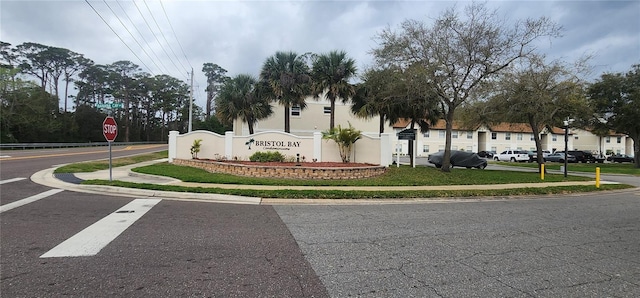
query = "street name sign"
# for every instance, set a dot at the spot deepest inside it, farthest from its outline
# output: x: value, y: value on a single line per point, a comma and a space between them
x: 112, y: 105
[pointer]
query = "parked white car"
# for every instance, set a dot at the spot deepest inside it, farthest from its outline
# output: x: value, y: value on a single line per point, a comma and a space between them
x: 512, y: 155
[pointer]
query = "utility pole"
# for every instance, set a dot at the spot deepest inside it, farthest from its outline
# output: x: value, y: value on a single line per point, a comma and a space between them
x: 191, y: 103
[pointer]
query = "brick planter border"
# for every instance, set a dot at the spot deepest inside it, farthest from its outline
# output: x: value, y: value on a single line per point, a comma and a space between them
x: 295, y: 172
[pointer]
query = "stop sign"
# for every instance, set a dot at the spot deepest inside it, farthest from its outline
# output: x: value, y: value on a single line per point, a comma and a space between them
x: 109, y: 129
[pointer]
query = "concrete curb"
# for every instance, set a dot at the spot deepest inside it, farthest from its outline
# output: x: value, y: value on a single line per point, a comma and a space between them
x: 46, y: 177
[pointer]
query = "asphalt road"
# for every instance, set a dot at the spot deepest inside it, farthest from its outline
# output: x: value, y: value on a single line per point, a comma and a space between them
x: 567, y: 246
x: 176, y: 249
x: 571, y: 246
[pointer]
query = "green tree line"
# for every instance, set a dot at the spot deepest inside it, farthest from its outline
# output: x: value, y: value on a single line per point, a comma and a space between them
x: 36, y: 92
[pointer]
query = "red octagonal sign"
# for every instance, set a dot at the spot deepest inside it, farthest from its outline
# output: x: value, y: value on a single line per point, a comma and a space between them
x: 109, y: 129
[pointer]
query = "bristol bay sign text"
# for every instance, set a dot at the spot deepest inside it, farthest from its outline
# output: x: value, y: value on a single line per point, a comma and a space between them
x: 272, y: 144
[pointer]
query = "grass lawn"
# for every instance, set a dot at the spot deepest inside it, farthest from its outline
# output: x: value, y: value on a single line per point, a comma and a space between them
x: 402, y: 176
x: 92, y: 166
x: 346, y: 194
x: 605, y: 168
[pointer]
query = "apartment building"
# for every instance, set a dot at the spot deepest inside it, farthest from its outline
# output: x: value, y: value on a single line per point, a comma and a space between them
x: 314, y: 118
x: 613, y: 143
x: 500, y: 137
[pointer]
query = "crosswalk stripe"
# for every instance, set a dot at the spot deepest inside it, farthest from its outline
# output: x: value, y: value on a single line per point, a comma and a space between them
x: 95, y: 237
x: 30, y: 199
x: 11, y: 180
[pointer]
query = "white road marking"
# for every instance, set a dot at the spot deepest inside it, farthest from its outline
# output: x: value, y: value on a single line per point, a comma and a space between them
x: 11, y: 180
x: 5, y: 156
x: 30, y: 199
x: 95, y: 237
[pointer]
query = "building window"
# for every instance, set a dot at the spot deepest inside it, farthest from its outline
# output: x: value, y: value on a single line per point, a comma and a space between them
x: 426, y: 134
x: 519, y: 136
x: 454, y: 134
x: 532, y: 138
x: 619, y: 140
x: 494, y: 149
x: 507, y: 136
x: 454, y: 147
x: 425, y: 148
x: 295, y: 111
x: 494, y: 135
x: 441, y: 134
x: 469, y: 148
x: 469, y: 135
x: 327, y: 110
x: 554, y: 138
x: 440, y: 148
x: 575, y: 138
x: 607, y: 140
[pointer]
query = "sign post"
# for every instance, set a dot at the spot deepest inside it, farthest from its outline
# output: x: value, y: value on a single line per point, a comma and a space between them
x: 410, y: 135
x: 110, y: 132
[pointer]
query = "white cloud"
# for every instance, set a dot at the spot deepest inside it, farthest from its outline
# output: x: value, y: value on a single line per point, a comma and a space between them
x: 240, y: 35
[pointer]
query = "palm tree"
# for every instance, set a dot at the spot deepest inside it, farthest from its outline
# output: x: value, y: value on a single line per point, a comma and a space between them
x: 344, y: 138
x: 331, y: 73
x: 243, y: 97
x: 287, y: 74
x: 377, y: 95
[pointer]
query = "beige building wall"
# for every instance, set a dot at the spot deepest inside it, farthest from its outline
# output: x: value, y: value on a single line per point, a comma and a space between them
x: 616, y: 143
x: 315, y: 118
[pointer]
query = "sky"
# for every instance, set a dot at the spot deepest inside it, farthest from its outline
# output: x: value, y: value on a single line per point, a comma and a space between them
x: 174, y: 36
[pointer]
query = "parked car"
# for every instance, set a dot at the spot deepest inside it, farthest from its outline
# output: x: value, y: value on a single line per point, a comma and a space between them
x: 459, y: 159
x: 533, y: 155
x: 585, y: 156
x: 512, y: 155
x: 486, y: 154
x: 559, y: 157
x: 620, y: 158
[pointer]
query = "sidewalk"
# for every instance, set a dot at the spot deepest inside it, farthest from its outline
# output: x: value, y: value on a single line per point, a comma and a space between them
x: 48, y: 178
x: 71, y: 182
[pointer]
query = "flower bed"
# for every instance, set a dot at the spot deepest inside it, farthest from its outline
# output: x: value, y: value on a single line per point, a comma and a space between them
x: 287, y: 170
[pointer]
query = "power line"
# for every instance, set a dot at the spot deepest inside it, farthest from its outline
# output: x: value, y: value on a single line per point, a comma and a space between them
x: 154, y: 34
x: 175, y: 35
x: 116, y: 33
x: 164, y: 37
x: 136, y: 40
x: 141, y: 35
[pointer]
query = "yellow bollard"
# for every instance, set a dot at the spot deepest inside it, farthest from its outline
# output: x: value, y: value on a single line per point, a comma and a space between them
x: 542, y: 172
x: 597, y: 177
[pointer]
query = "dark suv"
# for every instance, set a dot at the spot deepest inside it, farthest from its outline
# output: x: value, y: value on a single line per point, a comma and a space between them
x: 585, y: 156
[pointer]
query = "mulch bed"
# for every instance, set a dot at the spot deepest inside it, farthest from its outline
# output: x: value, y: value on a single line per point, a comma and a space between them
x: 301, y: 164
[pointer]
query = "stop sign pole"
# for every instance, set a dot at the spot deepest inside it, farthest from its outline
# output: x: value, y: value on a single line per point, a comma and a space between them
x: 110, y: 132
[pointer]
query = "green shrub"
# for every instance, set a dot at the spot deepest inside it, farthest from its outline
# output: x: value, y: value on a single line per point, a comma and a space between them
x: 345, y: 138
x: 267, y: 156
x: 195, y: 148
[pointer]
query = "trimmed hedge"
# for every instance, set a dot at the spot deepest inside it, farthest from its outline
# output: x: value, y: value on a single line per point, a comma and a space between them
x: 267, y: 156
